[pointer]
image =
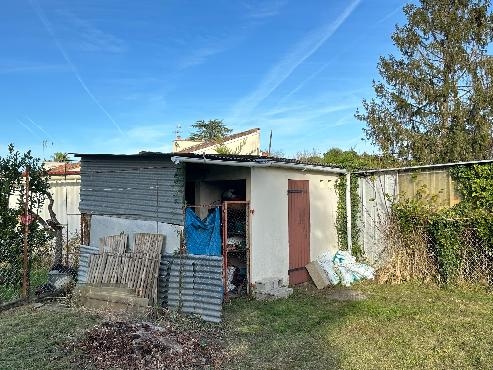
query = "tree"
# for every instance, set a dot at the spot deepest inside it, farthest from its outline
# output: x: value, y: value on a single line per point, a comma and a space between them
x: 13, y: 170
x: 60, y: 157
x: 434, y: 104
x: 212, y: 130
x: 347, y: 159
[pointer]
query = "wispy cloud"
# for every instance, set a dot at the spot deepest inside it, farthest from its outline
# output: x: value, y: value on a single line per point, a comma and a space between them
x: 47, y: 25
x: 282, y: 70
x: 91, y: 38
x: 21, y: 67
x: 142, y: 137
x: 258, y: 10
x: 200, y: 55
x: 207, y: 46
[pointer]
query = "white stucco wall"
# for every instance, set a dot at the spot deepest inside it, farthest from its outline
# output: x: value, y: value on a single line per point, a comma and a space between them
x: 109, y: 225
x: 66, y: 195
x: 269, y: 222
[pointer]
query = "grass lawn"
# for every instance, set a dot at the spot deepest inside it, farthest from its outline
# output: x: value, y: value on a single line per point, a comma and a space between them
x: 405, y: 326
x: 398, y: 327
x: 33, y: 339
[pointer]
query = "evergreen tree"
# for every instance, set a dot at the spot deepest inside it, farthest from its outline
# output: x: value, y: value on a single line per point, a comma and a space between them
x: 435, y: 102
x: 213, y: 130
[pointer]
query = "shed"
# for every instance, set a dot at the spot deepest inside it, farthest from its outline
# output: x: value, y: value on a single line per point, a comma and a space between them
x: 288, y: 207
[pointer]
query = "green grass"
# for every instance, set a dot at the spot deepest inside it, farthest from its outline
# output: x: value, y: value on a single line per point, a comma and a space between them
x: 34, y: 339
x: 398, y: 327
x: 405, y: 326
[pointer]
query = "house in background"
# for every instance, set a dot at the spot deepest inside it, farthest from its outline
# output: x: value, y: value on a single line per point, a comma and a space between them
x: 64, y: 181
x: 286, y: 208
x: 245, y: 143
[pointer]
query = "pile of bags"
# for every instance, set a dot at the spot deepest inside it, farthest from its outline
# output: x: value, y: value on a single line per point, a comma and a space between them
x: 343, y: 268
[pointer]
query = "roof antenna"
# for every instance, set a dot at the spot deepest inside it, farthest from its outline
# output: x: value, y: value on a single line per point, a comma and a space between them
x: 270, y: 142
x: 177, y: 132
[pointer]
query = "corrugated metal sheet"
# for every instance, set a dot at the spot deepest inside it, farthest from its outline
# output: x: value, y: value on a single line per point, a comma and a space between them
x: 192, y: 284
x: 140, y: 188
x: 376, y: 193
x: 85, y: 252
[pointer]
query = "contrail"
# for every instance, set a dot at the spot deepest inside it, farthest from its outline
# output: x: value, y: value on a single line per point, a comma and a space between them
x: 282, y: 70
x: 51, y: 31
x: 26, y: 127
x: 40, y: 128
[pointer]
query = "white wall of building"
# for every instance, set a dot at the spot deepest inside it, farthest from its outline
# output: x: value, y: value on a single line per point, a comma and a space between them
x: 269, y: 222
x: 66, y: 195
x: 109, y: 225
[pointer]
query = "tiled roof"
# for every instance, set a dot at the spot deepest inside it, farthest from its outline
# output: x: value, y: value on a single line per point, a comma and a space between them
x: 225, y: 139
x: 65, y: 169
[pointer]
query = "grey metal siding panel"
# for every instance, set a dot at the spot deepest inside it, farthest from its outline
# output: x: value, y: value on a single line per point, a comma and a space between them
x: 85, y: 252
x: 147, y: 189
x: 193, y: 284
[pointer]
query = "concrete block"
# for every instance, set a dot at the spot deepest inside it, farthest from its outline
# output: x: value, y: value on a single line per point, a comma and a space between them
x: 267, y: 284
x: 317, y: 274
x: 282, y: 292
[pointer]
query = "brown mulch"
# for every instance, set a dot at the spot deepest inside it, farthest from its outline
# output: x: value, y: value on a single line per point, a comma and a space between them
x: 143, y: 345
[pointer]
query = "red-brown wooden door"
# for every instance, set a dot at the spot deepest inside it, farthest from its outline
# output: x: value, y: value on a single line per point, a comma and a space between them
x: 299, y: 230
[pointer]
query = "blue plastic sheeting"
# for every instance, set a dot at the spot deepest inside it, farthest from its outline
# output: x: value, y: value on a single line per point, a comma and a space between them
x: 203, y: 236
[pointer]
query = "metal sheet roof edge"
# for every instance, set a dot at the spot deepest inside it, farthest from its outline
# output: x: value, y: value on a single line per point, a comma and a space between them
x: 426, y: 166
x: 260, y: 164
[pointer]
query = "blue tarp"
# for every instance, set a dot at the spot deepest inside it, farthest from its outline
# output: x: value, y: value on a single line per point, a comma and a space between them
x: 203, y: 236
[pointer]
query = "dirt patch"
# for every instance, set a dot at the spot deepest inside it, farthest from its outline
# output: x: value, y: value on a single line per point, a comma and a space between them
x: 145, y: 345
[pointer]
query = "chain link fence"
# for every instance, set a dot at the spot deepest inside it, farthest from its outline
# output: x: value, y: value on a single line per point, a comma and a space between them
x: 463, y: 257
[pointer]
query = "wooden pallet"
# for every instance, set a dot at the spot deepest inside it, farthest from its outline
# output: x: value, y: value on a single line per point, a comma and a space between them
x: 137, y: 270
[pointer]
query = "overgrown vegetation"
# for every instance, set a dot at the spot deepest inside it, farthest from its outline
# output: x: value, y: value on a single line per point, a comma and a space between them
x: 449, y: 245
x: 13, y: 168
x: 341, y: 217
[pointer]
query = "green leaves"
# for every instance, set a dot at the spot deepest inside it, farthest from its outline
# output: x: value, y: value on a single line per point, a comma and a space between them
x: 460, y: 238
x: 433, y: 104
x: 212, y: 130
x: 13, y: 169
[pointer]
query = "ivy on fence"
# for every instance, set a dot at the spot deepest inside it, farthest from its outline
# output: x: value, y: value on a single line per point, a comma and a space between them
x: 459, y: 239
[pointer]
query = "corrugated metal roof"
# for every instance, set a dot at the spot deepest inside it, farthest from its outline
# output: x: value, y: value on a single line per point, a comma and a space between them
x: 220, y: 157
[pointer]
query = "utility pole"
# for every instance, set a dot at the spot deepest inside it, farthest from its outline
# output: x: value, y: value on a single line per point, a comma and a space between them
x: 25, y: 277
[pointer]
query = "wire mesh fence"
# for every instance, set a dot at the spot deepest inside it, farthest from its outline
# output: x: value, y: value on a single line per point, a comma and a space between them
x: 417, y: 254
x: 40, y: 258
x: 236, y: 251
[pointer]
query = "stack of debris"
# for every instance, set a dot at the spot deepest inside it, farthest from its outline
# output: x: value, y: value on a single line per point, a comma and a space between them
x: 341, y: 267
x: 127, y: 345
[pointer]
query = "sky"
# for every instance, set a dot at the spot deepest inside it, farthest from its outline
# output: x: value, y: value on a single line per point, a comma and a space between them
x: 112, y: 76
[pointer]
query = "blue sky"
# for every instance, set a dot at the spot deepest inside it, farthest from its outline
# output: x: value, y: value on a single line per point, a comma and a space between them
x: 112, y: 76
